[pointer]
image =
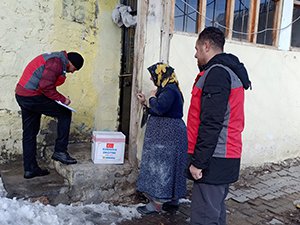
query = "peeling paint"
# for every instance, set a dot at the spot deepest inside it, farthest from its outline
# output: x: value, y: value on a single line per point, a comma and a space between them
x: 28, y: 29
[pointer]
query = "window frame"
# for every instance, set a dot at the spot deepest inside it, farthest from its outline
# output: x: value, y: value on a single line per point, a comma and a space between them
x: 296, y: 4
x: 252, y: 21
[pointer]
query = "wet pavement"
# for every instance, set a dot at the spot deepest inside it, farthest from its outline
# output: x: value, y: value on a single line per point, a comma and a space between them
x: 263, y: 195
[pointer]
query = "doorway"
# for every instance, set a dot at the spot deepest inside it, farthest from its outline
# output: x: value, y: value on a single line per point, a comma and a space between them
x: 125, y: 81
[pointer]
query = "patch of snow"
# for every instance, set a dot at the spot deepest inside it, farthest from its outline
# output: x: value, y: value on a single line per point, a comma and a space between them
x: 23, y: 212
x: 184, y: 201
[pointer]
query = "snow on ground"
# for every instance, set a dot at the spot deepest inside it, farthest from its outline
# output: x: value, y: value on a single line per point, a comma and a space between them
x: 23, y: 212
x: 184, y: 201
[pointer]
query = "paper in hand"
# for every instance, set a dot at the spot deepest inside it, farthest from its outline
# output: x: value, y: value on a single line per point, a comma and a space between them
x: 66, y: 106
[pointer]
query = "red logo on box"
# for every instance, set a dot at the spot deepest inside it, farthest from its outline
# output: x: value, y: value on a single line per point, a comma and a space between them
x: 109, y: 145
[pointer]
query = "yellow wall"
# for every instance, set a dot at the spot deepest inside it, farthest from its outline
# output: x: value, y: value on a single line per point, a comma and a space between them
x: 29, y: 28
x: 87, y: 27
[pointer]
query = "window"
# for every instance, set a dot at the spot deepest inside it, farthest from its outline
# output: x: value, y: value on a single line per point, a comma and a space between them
x: 266, y: 21
x: 256, y: 21
x: 216, y: 14
x: 240, y: 19
x: 185, y: 16
x: 296, y: 25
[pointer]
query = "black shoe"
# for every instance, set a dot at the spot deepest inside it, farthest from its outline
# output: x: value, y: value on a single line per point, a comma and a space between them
x: 37, y: 172
x: 170, y: 207
x: 64, y: 158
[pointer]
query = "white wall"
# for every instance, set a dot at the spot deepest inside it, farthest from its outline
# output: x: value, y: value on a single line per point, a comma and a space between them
x: 272, y: 108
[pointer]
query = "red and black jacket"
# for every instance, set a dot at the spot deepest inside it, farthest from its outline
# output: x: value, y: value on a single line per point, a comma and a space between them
x: 43, y: 74
x: 216, y: 119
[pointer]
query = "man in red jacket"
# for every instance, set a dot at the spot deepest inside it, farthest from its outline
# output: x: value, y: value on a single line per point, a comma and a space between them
x: 36, y: 94
x: 215, y: 123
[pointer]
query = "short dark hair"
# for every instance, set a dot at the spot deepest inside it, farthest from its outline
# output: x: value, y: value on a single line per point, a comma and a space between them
x: 214, y: 35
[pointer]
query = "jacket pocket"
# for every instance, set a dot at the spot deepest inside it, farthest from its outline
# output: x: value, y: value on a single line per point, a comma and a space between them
x: 211, y: 94
x: 211, y: 98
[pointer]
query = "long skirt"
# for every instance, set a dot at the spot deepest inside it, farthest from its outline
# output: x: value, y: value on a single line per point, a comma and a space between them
x: 164, y: 158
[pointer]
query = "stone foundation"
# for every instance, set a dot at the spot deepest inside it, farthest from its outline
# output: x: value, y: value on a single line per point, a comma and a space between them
x: 95, y: 183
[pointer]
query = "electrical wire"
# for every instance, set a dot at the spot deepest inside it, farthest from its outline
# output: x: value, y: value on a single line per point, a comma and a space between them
x: 238, y: 32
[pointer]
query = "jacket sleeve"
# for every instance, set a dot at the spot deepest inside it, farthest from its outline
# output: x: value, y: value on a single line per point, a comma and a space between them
x: 214, y: 101
x: 162, y: 103
x: 53, y: 69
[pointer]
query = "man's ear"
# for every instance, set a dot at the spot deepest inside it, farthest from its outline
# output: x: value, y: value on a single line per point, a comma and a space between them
x: 207, y: 46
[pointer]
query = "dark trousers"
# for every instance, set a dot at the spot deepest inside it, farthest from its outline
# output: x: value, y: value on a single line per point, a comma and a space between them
x: 32, y: 108
x: 208, y: 204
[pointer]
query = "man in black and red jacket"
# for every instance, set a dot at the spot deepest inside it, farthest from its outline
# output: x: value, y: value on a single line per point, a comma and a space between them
x: 36, y: 94
x: 215, y: 123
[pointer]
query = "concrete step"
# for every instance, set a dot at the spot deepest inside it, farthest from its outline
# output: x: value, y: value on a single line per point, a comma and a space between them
x: 51, y: 187
x: 84, y: 182
x: 95, y: 183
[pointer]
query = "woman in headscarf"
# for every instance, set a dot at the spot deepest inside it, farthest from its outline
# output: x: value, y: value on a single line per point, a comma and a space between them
x: 162, y: 173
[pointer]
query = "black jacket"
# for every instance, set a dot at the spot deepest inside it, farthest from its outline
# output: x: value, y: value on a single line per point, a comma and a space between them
x: 215, y: 110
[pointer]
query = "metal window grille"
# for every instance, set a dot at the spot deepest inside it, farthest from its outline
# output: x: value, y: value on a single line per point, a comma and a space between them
x: 185, y: 17
x: 296, y: 26
x: 241, y: 18
x: 266, y: 20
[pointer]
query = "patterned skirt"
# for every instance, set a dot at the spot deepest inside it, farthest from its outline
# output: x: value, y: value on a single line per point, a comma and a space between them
x: 164, y: 158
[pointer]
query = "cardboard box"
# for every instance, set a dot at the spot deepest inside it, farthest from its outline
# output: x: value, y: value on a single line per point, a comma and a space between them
x: 108, y: 147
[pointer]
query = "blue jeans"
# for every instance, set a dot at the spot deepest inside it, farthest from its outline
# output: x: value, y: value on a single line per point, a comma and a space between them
x: 32, y: 108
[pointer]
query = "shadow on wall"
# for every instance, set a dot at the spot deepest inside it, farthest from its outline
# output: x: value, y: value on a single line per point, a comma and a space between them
x: 48, y: 133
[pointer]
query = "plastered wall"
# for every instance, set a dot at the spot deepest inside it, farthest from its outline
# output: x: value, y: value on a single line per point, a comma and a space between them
x: 272, y: 108
x: 29, y: 28
x: 24, y: 32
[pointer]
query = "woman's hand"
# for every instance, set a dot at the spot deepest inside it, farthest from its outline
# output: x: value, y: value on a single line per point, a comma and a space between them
x: 141, y: 98
x: 153, y: 93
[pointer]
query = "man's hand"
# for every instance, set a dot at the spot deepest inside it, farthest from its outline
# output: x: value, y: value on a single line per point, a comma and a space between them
x: 196, y: 173
x: 67, y: 101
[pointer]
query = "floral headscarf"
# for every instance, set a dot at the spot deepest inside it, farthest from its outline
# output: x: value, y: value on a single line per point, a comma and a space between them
x: 163, y: 74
